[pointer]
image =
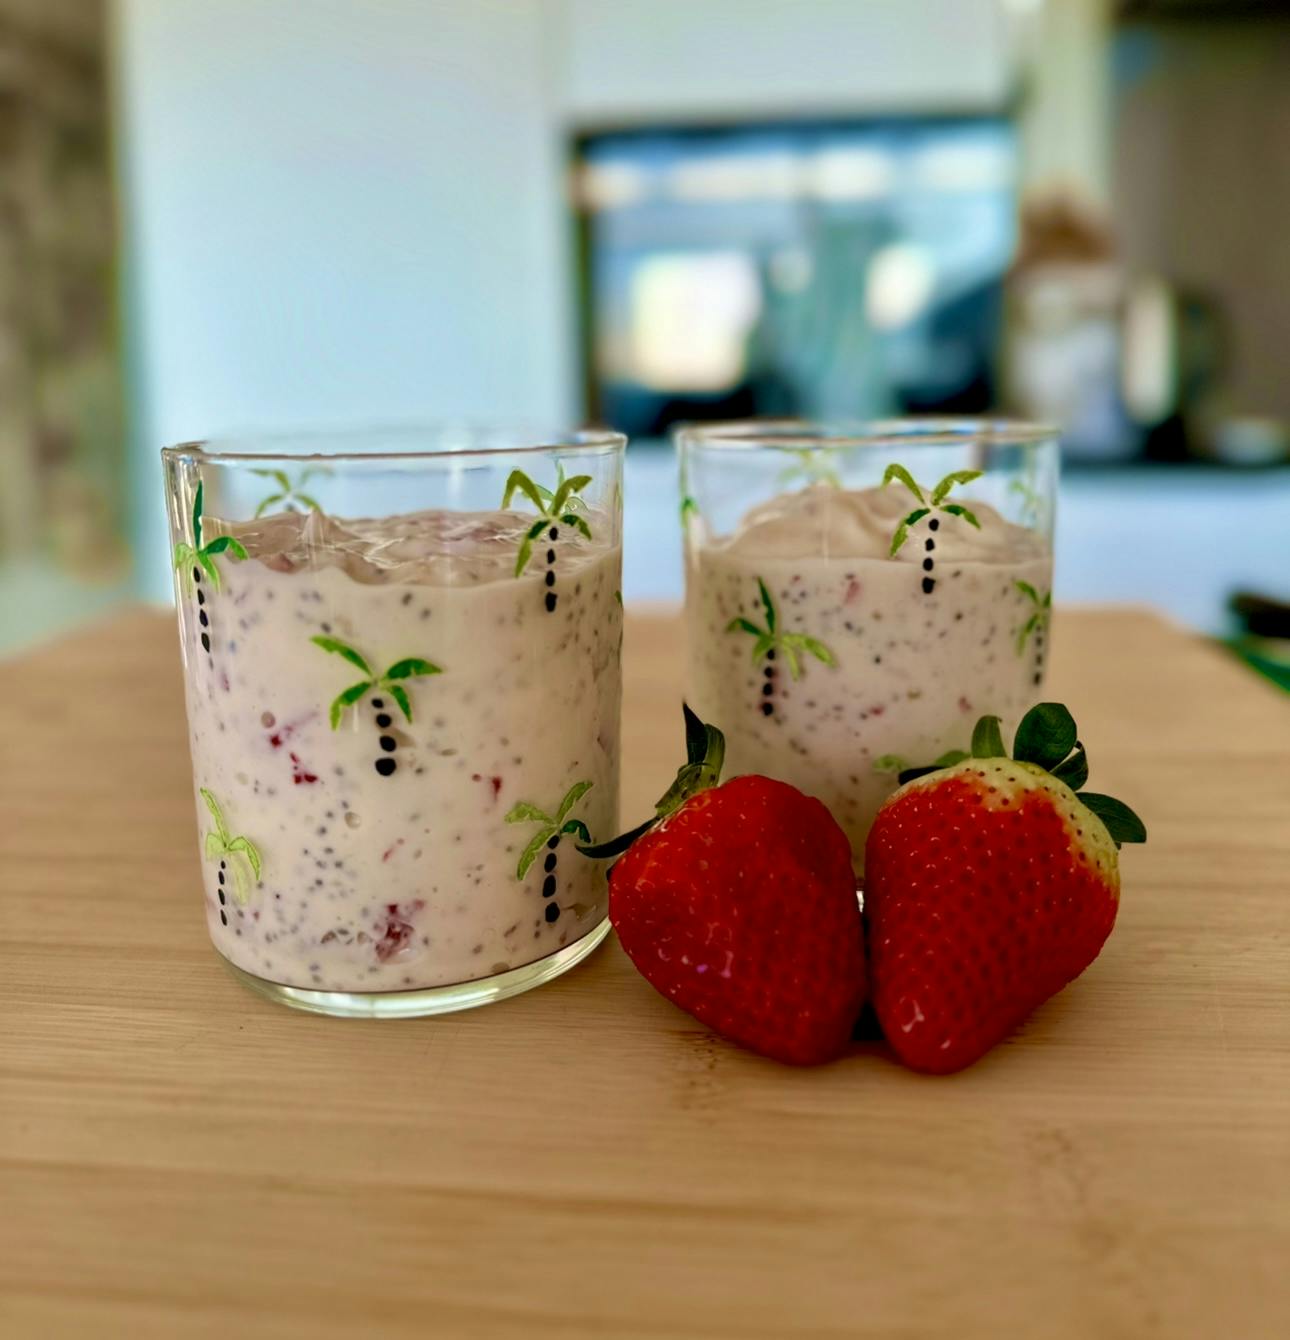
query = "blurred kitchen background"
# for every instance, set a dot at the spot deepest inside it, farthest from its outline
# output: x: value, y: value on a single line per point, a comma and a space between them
x: 236, y: 214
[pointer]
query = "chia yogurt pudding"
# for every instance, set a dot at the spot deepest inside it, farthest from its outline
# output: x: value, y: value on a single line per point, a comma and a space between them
x: 830, y: 662
x: 398, y: 739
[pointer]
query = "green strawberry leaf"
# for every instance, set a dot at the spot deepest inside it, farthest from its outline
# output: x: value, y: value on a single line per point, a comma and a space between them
x: 1121, y: 822
x: 946, y: 484
x: 987, y: 739
x: 339, y: 648
x: 519, y: 481
x: 1074, y: 771
x: 958, y: 510
x: 529, y: 854
x: 696, y: 735
x: 946, y: 760
x: 400, y: 696
x: 523, y: 812
x: 1045, y: 736
x: 411, y: 667
x: 347, y: 699
x: 743, y: 625
x: 572, y: 797
x: 889, y: 763
x: 616, y: 846
x: 767, y: 603
x: 899, y: 472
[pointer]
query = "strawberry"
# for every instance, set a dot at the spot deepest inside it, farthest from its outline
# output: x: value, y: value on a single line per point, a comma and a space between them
x: 990, y: 883
x: 738, y: 903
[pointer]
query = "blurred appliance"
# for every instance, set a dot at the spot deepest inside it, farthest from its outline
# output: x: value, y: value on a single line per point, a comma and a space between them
x: 833, y: 270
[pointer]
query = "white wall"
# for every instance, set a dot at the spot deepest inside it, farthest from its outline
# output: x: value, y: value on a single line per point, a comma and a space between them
x: 632, y: 60
x: 336, y: 212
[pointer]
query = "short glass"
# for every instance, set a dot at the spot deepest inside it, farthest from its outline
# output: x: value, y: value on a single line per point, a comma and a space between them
x: 401, y: 659
x: 841, y: 628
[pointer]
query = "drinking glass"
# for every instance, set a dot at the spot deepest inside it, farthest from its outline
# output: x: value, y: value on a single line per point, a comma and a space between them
x: 401, y: 661
x: 857, y: 596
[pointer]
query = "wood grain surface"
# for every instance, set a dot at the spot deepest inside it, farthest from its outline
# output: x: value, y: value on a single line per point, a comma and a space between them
x: 180, y: 1158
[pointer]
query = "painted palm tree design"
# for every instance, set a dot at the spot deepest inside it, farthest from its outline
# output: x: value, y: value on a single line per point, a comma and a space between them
x: 223, y: 847
x: 551, y: 828
x: 391, y: 682
x: 291, y: 495
x: 772, y: 641
x: 190, y: 557
x: 934, y: 501
x: 559, y: 508
x: 815, y: 465
x: 1042, y: 610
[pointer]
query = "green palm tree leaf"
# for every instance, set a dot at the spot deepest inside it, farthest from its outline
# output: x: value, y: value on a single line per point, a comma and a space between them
x: 240, y: 890
x: 309, y: 501
x: 215, y: 846
x: 213, y: 805
x: 743, y: 626
x: 529, y: 854
x: 816, y: 649
x: 688, y: 508
x: 347, y: 699
x: 574, y: 794
x: 280, y: 475
x: 411, y: 667
x: 525, y: 553
x: 902, y: 531
x: 566, y: 489
x: 899, y: 472
x: 269, y: 501
x: 889, y: 763
x: 573, y: 519
x: 956, y: 477
x: 790, y: 655
x: 577, y: 827
x: 958, y: 510
x: 523, y: 812
x: 339, y: 648
x: 767, y: 603
x: 400, y: 696
x: 197, y: 515
x: 764, y: 643
x: 1026, y: 629
x: 518, y: 481
x: 249, y: 850
x: 208, y: 566
x: 1027, y: 590
x: 236, y: 549
x: 311, y: 472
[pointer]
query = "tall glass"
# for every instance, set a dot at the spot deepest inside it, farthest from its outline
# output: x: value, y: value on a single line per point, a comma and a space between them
x: 401, y: 658
x: 841, y: 627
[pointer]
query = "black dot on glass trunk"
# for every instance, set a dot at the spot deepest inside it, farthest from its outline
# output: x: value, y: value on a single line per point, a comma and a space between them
x: 928, y: 564
x: 554, y: 842
x: 929, y: 545
x: 378, y: 703
x: 769, y: 673
x: 197, y: 575
x: 222, y: 865
x: 550, y: 555
x: 766, y: 709
x: 933, y: 524
x: 382, y: 720
x: 220, y: 876
x: 221, y: 897
x: 550, y: 601
x: 928, y: 584
x: 770, y: 655
x: 203, y: 618
x: 549, y: 864
x: 767, y: 690
x: 385, y: 766
x: 553, y: 532
x: 206, y: 642
x: 548, y: 887
x: 388, y: 743
x: 550, y: 578
x: 201, y: 597
x: 552, y: 912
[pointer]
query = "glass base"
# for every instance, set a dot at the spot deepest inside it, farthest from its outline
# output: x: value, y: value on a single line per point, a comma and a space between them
x: 432, y: 1000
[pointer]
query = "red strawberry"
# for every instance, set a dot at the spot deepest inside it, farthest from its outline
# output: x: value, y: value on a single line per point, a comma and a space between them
x: 738, y: 904
x: 989, y: 885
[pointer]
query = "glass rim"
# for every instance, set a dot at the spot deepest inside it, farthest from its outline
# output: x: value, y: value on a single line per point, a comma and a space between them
x: 229, y: 448
x: 911, y: 432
